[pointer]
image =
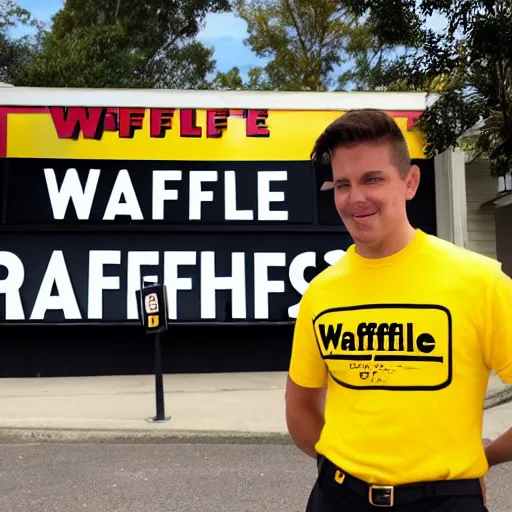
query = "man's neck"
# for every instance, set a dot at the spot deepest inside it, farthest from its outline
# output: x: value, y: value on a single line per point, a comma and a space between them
x: 398, y: 240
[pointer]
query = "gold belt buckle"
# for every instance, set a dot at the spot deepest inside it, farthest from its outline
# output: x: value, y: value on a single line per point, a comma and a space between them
x: 381, y: 495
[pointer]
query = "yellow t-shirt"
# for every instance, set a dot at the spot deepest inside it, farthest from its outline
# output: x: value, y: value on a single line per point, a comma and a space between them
x: 405, y: 344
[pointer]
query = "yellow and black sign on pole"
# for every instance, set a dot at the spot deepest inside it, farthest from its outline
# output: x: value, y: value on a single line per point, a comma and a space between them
x: 153, y: 314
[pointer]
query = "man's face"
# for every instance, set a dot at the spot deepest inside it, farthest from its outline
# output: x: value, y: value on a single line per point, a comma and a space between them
x: 370, y: 194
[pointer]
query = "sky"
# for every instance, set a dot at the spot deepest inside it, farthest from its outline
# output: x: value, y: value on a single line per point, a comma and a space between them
x: 224, y: 32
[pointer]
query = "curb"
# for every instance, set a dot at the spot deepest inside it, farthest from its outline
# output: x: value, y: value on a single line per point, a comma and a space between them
x: 502, y: 396
x: 11, y: 435
x: 76, y: 436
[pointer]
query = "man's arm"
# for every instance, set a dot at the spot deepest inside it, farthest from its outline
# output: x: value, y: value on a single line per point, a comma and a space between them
x: 500, y: 450
x: 498, y: 351
x: 304, y: 415
x: 306, y: 385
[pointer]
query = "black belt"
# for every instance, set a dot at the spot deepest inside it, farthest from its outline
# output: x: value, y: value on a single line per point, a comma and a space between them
x: 332, y: 477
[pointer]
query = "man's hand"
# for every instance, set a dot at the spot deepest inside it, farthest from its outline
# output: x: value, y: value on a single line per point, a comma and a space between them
x: 484, y: 490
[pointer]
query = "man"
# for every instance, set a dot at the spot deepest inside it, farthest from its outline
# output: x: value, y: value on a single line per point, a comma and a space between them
x: 394, y: 343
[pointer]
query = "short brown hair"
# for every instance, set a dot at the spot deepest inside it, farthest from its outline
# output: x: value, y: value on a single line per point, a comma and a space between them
x: 365, y: 125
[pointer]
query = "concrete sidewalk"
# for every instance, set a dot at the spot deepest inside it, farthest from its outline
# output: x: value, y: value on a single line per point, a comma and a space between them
x: 208, y: 407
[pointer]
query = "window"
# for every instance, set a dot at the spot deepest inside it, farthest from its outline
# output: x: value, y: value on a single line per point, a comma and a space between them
x: 505, y: 183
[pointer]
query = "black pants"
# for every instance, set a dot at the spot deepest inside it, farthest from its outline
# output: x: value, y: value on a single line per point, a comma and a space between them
x: 320, y: 501
x: 326, y: 498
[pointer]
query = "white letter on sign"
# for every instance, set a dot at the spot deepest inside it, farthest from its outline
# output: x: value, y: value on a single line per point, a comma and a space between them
x: 265, y: 196
x: 56, y: 273
x: 210, y: 283
x: 71, y: 189
x: 98, y: 282
x: 296, y: 273
x: 197, y: 195
x: 172, y: 260
x: 230, y: 212
x: 262, y: 285
x: 123, y: 187
x: 10, y: 286
x: 160, y: 193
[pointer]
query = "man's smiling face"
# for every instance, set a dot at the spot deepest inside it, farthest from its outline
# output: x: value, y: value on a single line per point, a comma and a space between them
x: 370, y: 191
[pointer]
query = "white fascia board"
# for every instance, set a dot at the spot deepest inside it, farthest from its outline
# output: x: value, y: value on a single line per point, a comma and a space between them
x: 164, y: 98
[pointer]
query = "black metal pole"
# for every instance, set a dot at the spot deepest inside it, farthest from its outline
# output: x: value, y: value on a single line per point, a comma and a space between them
x: 159, y: 382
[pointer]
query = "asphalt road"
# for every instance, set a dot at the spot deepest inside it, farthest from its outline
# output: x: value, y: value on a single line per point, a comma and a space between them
x: 170, y: 478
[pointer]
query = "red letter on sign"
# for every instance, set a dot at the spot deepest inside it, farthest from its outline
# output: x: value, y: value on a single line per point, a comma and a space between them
x: 161, y: 120
x: 111, y: 119
x: 188, y: 126
x: 130, y: 119
x: 69, y: 122
x: 216, y: 121
x: 412, y: 116
x: 256, y: 126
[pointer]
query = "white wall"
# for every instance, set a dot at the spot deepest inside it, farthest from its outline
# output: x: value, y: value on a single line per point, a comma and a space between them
x: 451, y: 197
x: 480, y: 187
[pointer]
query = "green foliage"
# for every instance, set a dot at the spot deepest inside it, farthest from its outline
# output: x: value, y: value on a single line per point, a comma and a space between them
x: 125, y: 43
x: 184, y: 67
x: 306, y: 43
x: 153, y: 25
x: 372, y: 60
x: 469, y: 66
x: 392, y: 22
x: 88, y: 57
x: 230, y: 81
x: 303, y: 39
x: 233, y: 81
x: 15, y: 53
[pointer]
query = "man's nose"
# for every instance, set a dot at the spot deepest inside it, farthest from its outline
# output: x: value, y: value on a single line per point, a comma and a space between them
x: 356, y: 195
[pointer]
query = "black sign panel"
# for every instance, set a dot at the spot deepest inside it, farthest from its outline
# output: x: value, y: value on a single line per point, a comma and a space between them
x: 104, y: 192
x: 155, y: 192
x: 288, y: 231
x: 93, y: 277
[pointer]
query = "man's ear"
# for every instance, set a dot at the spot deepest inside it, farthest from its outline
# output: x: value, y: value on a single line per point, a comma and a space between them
x: 412, y: 182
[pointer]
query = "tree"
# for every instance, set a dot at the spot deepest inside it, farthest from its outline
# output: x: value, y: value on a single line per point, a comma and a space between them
x: 371, y: 57
x: 306, y: 42
x: 15, y: 53
x: 233, y: 81
x: 471, y: 62
x: 126, y: 43
x: 88, y: 57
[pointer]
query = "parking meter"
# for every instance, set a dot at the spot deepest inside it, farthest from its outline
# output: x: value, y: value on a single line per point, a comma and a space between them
x: 153, y: 315
x: 152, y: 301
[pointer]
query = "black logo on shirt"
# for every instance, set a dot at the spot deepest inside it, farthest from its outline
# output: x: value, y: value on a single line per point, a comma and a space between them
x: 383, y: 338
x: 398, y: 346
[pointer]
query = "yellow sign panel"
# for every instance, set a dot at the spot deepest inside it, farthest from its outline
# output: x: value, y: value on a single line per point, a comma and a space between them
x: 291, y: 136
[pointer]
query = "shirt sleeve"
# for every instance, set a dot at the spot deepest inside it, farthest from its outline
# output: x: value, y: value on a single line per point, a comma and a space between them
x: 307, y: 368
x: 498, y: 343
